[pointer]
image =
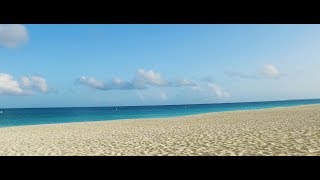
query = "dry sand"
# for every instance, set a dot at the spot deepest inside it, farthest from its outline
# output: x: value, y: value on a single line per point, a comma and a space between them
x: 276, y: 131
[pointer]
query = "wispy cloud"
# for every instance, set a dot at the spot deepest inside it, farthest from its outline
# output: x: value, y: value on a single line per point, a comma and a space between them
x: 91, y: 82
x: 116, y: 83
x: 8, y: 85
x: 144, y: 77
x: 35, y: 83
x: 142, y: 80
x: 26, y: 86
x: 218, y: 91
x: 182, y: 82
x: 268, y: 71
x: 211, y: 89
x: 242, y: 75
x: 12, y: 35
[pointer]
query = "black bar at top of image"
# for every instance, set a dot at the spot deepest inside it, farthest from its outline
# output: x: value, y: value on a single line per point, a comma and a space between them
x: 160, y: 13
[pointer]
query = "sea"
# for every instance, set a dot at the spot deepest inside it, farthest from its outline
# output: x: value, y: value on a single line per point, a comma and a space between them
x: 33, y: 116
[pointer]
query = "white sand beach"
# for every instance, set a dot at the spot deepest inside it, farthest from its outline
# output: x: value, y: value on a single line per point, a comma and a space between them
x: 276, y: 131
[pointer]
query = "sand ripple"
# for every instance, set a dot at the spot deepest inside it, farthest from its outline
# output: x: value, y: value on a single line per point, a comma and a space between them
x: 277, y: 131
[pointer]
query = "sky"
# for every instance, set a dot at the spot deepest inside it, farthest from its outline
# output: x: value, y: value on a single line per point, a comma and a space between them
x: 127, y: 65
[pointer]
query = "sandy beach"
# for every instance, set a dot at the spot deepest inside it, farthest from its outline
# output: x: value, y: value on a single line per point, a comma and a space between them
x: 276, y: 131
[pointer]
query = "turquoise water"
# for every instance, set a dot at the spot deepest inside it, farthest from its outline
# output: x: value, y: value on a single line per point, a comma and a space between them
x: 32, y: 116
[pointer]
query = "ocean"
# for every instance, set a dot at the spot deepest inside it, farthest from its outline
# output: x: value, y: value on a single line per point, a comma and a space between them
x: 33, y: 116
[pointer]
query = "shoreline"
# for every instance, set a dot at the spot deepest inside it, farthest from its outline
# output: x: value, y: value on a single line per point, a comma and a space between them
x: 156, y: 118
x: 285, y: 131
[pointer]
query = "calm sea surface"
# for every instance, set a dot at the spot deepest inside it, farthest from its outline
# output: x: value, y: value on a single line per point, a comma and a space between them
x: 32, y: 116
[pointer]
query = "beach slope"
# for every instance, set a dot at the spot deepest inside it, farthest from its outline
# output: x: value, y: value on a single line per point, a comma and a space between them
x: 276, y: 131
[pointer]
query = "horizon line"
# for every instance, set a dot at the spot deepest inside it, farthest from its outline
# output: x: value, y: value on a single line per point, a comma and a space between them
x: 236, y: 102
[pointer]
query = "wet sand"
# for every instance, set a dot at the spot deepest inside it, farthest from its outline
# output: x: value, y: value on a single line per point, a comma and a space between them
x: 276, y: 131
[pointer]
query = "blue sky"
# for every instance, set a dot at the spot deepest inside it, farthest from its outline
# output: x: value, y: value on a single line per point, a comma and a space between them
x: 106, y: 65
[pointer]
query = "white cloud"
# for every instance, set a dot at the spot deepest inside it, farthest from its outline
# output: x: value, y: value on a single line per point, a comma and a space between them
x: 196, y: 88
x: 210, y: 89
x: 25, y: 81
x: 117, y: 81
x: 91, y: 82
x: 26, y: 86
x: 242, y: 75
x: 150, y: 77
x: 8, y: 85
x: 270, y: 71
x: 183, y: 82
x: 35, y: 83
x: 142, y: 80
x: 218, y: 91
x: 12, y: 35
